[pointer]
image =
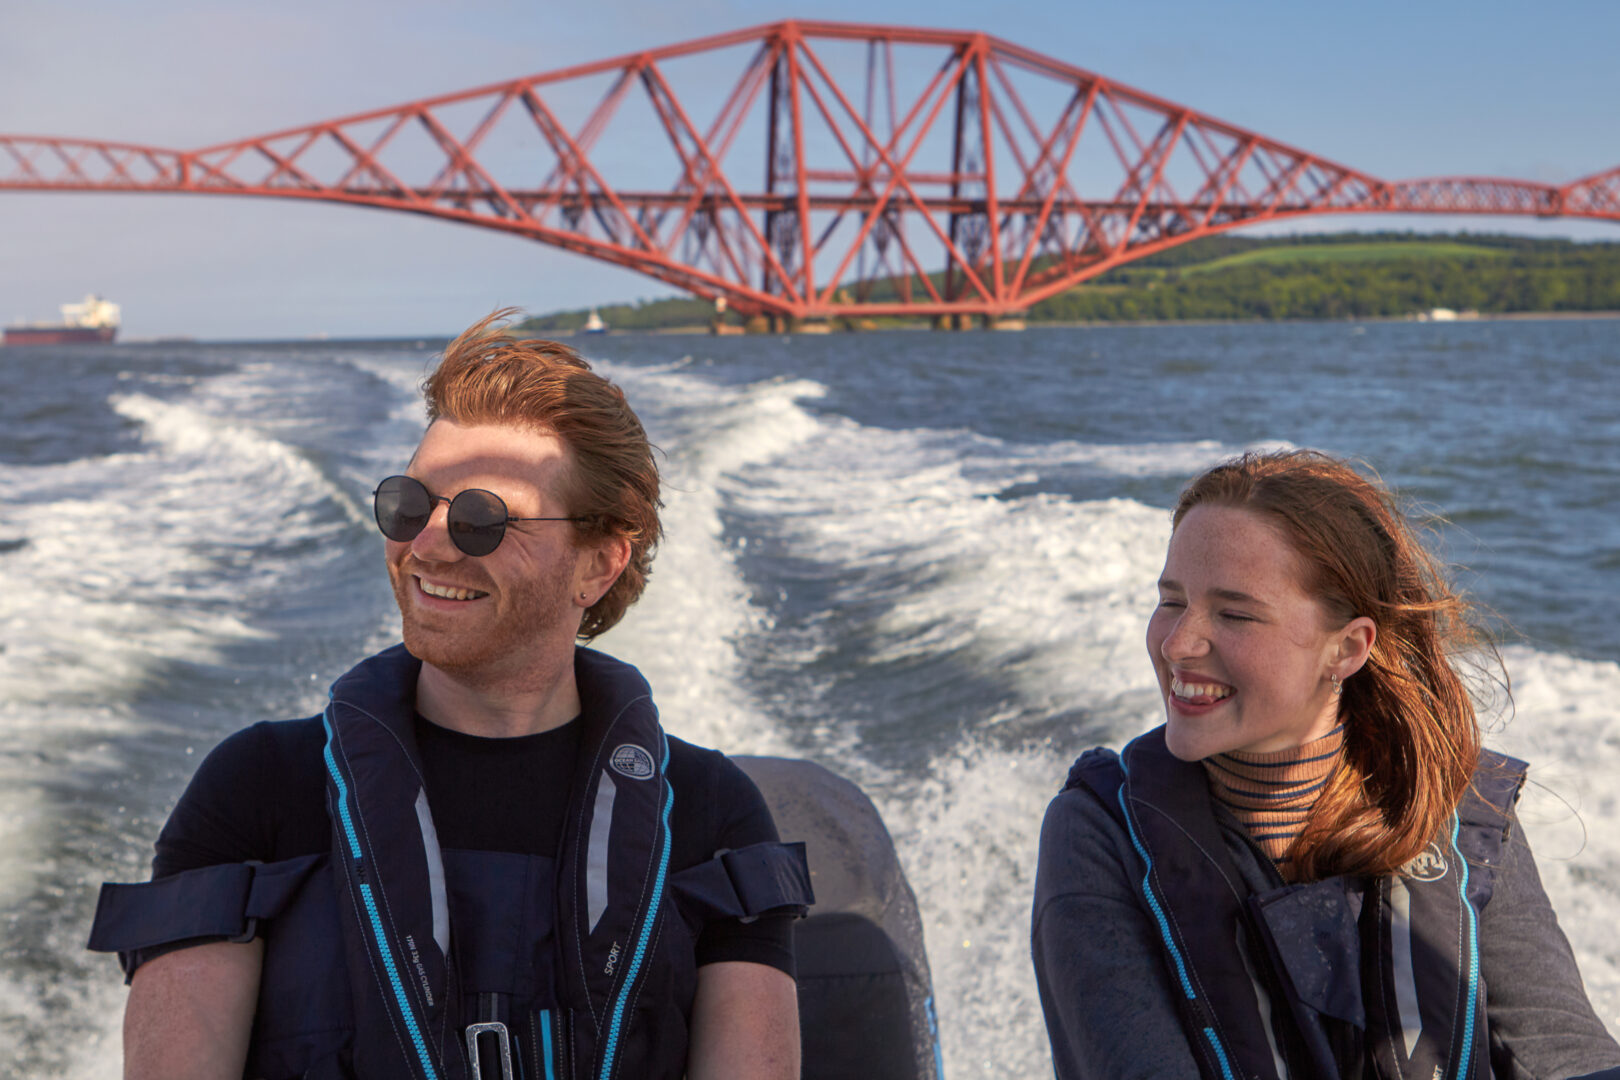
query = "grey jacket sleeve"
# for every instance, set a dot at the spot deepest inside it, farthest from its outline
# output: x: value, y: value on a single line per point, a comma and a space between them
x: 1109, y: 1005
x: 1541, y: 1024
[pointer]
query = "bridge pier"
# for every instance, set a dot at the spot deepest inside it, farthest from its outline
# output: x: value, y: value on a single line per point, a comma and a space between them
x: 786, y: 324
x: 768, y: 323
x: 959, y: 321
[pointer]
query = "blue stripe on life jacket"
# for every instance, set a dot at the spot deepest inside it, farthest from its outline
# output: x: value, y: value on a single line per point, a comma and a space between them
x: 1153, y: 901
x: 647, y: 923
x: 406, y: 1012
x: 393, y: 979
x: 933, y: 1035
x: 1464, y: 1061
x: 1220, y: 1051
x: 343, y: 788
x: 545, y: 1043
x: 1164, y: 924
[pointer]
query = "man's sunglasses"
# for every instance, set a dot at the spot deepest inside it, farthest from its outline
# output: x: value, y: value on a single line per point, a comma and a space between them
x: 477, y: 519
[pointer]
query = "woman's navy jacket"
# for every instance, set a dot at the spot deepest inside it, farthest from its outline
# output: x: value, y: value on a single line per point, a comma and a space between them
x: 392, y: 958
x: 1360, y: 976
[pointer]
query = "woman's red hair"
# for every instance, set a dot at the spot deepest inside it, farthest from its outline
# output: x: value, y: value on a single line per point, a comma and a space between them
x: 1411, y: 738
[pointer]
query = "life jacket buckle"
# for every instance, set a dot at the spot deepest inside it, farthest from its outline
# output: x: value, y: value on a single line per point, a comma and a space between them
x: 497, y: 1029
x: 250, y: 926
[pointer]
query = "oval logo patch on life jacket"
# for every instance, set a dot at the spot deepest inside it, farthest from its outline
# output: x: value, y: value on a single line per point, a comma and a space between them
x: 1426, y: 865
x: 631, y: 760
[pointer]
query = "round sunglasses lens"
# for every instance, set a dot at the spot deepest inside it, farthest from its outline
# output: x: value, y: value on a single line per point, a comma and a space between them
x: 477, y: 521
x: 402, y: 507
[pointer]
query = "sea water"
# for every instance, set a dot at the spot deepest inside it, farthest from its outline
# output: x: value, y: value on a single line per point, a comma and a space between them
x: 924, y: 560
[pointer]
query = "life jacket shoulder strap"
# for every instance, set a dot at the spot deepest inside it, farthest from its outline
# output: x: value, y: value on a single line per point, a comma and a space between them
x: 1100, y: 770
x: 748, y: 882
x: 1216, y: 1000
x: 223, y: 903
x: 1484, y: 819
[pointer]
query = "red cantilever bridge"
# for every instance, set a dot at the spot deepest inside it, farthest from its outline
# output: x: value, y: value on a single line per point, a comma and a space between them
x: 809, y: 170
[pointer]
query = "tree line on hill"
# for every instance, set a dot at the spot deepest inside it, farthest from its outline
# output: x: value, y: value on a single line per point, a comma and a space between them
x: 667, y: 314
x: 1506, y: 275
x: 1329, y: 276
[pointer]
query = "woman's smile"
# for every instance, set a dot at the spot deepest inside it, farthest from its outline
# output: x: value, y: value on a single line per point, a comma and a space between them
x: 1189, y: 690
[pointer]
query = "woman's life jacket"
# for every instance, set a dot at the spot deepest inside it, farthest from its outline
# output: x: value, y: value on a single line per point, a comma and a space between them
x: 391, y: 958
x: 1359, y: 976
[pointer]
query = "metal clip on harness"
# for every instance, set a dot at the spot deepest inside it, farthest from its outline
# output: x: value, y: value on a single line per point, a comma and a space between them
x: 474, y: 1032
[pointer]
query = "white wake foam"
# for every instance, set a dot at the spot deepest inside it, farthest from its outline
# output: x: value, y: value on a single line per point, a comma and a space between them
x: 685, y: 633
x: 1043, y: 591
x: 109, y: 582
x: 137, y: 559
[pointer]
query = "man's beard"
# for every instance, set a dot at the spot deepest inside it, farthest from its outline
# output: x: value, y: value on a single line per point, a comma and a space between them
x: 534, y: 614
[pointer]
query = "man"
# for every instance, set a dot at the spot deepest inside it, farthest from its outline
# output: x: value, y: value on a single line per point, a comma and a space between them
x: 484, y: 859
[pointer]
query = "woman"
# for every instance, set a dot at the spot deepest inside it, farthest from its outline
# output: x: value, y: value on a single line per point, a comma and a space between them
x: 1312, y: 869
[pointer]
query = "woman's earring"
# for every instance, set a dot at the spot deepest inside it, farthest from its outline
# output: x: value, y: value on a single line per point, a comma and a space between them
x: 1338, y: 684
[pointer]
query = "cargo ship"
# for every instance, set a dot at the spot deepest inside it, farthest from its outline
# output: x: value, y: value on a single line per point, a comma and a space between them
x: 92, y: 321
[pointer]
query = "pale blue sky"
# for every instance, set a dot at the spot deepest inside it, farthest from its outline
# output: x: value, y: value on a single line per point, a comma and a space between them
x: 1397, y: 89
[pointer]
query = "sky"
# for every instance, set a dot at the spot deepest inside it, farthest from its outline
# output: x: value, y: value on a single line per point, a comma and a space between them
x: 1440, y: 87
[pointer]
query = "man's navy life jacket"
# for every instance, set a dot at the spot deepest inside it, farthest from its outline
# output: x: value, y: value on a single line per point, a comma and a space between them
x: 392, y: 958
x: 1380, y: 976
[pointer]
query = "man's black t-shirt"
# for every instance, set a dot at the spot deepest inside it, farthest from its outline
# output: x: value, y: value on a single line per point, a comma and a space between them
x: 261, y: 794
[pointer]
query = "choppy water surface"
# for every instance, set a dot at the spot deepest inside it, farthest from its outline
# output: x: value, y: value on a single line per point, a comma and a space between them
x: 924, y: 560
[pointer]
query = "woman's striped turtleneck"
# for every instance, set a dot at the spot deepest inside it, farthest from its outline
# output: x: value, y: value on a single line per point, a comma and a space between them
x: 1272, y: 794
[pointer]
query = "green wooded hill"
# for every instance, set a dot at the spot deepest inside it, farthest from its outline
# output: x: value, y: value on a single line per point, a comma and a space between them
x: 1329, y: 276
x: 1347, y: 276
x: 668, y: 314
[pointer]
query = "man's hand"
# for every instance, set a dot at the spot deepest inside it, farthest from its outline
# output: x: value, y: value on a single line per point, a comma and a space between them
x: 745, y: 1024
x: 190, y: 1013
